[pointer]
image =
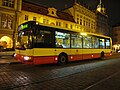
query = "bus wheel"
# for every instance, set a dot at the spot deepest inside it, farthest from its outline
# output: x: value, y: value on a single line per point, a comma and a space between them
x: 62, y: 59
x: 102, y: 55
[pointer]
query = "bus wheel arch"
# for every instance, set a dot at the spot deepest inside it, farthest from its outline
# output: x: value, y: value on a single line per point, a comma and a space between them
x: 62, y: 58
x: 102, y: 55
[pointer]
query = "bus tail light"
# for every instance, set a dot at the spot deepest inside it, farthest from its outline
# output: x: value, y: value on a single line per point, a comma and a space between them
x: 92, y: 56
x: 71, y: 57
x: 110, y: 54
x: 56, y: 58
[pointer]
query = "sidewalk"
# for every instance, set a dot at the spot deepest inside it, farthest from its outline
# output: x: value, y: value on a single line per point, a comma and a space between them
x: 8, y: 59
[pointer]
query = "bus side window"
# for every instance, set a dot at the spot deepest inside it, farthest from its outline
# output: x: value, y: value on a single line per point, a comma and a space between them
x: 76, y: 41
x: 102, y: 43
x: 95, y: 42
x: 62, y: 39
x: 107, y: 43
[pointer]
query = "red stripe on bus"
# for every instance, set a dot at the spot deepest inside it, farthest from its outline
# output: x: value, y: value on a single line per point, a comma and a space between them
x: 54, y: 59
x: 44, y: 60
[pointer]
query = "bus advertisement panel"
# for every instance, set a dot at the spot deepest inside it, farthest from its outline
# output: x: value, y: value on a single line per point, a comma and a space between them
x: 40, y: 44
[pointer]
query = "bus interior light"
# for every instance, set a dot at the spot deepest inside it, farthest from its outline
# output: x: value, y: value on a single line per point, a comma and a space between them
x: 84, y: 34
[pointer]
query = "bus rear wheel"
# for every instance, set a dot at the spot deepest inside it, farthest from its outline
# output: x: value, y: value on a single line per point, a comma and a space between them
x: 62, y: 59
x: 102, y: 55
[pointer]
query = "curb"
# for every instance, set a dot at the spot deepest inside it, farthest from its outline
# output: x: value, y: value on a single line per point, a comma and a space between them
x: 15, y: 63
x: 6, y: 56
x: 8, y: 59
x: 10, y: 63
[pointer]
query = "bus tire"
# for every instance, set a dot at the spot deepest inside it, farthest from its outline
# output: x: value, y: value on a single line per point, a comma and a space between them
x: 62, y: 59
x: 102, y: 55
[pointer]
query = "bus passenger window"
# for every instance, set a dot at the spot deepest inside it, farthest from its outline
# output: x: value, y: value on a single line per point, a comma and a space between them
x: 87, y: 42
x: 102, y: 43
x: 108, y: 43
x: 43, y: 39
x: 62, y: 39
x: 95, y: 42
x: 76, y: 41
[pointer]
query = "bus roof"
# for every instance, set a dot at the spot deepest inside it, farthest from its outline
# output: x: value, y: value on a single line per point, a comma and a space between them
x: 24, y: 25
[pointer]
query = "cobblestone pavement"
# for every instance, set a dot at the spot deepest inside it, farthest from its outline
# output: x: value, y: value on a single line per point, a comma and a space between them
x: 53, y: 77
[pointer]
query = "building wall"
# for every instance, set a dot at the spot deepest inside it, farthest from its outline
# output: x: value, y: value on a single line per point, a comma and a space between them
x: 85, y: 18
x: 12, y: 15
x: 46, y: 20
x: 8, y: 13
x: 102, y: 24
x: 116, y: 35
x: 116, y: 38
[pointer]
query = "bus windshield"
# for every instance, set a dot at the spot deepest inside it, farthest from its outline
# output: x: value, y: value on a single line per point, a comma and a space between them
x: 24, y: 40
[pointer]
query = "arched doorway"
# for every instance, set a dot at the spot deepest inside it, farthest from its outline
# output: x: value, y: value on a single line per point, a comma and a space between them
x: 6, y: 42
x: 53, y: 24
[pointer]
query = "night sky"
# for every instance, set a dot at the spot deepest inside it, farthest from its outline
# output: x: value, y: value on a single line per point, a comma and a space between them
x: 112, y: 6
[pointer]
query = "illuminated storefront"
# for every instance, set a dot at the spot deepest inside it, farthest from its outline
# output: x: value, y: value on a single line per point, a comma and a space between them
x: 6, y: 42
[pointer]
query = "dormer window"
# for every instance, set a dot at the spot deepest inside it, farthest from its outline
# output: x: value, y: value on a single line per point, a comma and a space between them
x: 52, y: 12
x: 29, y: 8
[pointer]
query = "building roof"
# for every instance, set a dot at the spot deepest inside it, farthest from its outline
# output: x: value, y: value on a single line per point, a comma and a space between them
x: 31, y: 7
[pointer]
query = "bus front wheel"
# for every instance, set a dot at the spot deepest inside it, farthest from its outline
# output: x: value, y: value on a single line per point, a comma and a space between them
x: 62, y: 59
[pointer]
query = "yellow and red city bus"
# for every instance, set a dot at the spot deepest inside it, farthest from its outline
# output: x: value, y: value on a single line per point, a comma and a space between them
x: 38, y: 44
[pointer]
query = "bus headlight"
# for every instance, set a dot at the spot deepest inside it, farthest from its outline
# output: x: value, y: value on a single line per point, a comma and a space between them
x: 15, y: 55
x: 26, y: 58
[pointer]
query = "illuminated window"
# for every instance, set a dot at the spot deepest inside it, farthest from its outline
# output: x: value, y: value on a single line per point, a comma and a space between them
x: 62, y: 39
x: 89, y: 22
x: 107, y: 43
x: 26, y: 17
x: 8, y: 3
x: 102, y: 43
x: 77, y: 20
x: 45, y: 21
x: 84, y: 22
x: 34, y: 18
x: 95, y: 42
x: 58, y: 23
x: 87, y: 42
x: 71, y: 26
x: 66, y: 25
x: 52, y: 12
x: 80, y: 21
x: 76, y: 41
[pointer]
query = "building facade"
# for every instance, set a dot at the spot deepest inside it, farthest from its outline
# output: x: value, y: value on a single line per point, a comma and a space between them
x: 8, y: 22
x: 77, y: 17
x: 102, y: 20
x: 46, y: 15
x: 116, y: 37
x: 84, y: 17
